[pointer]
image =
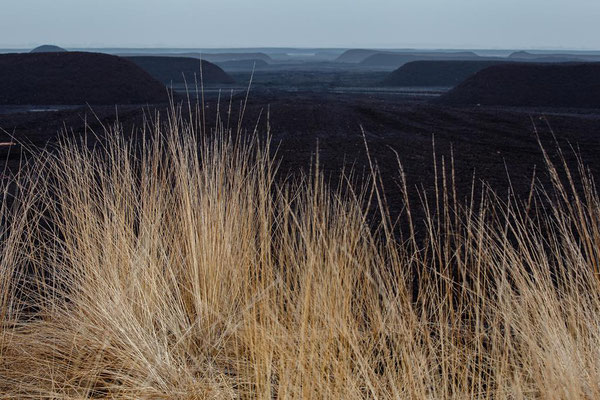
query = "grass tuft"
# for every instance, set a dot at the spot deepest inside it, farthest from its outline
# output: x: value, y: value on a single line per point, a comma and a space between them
x: 181, y: 268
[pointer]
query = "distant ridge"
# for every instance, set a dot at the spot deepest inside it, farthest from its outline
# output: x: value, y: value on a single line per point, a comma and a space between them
x: 211, y: 57
x: 75, y: 78
x: 247, y: 65
x: 523, y: 55
x: 569, y: 85
x: 531, y: 57
x: 48, y: 48
x: 396, y: 60
x: 181, y: 69
x: 220, y: 57
x: 435, y: 73
x: 357, y: 55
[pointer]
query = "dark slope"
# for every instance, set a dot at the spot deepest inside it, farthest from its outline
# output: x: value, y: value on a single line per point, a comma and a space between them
x: 75, y: 78
x: 48, y: 48
x: 531, y: 85
x: 181, y: 69
x: 396, y: 60
x: 435, y: 73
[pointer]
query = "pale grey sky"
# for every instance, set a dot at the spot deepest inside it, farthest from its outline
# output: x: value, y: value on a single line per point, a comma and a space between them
x: 302, y: 23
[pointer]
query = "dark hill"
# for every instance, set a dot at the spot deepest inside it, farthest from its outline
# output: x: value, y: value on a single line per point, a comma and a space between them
x: 357, y: 55
x: 396, y: 60
x: 75, y: 78
x: 531, y: 85
x: 48, y: 48
x: 174, y: 69
x: 435, y: 73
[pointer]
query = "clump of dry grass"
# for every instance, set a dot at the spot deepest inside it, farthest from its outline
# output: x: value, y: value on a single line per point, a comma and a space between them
x: 182, y: 270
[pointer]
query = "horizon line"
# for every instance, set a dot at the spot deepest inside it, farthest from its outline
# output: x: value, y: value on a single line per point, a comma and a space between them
x: 424, y: 47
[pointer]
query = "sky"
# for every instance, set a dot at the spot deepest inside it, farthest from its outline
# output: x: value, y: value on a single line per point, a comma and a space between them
x: 475, y: 24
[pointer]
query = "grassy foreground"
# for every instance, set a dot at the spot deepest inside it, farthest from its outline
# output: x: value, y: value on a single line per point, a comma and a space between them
x: 187, y: 271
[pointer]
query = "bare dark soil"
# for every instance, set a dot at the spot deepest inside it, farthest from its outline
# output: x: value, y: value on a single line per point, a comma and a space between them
x: 486, y: 143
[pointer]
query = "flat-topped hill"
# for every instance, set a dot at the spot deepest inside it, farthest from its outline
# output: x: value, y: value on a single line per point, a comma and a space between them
x: 48, y: 48
x: 553, y: 57
x: 181, y: 69
x: 435, y: 73
x: 396, y: 60
x: 356, y: 55
x: 75, y: 78
x: 531, y: 85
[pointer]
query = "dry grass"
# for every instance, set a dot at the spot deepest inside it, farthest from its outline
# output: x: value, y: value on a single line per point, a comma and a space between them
x: 185, y: 271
